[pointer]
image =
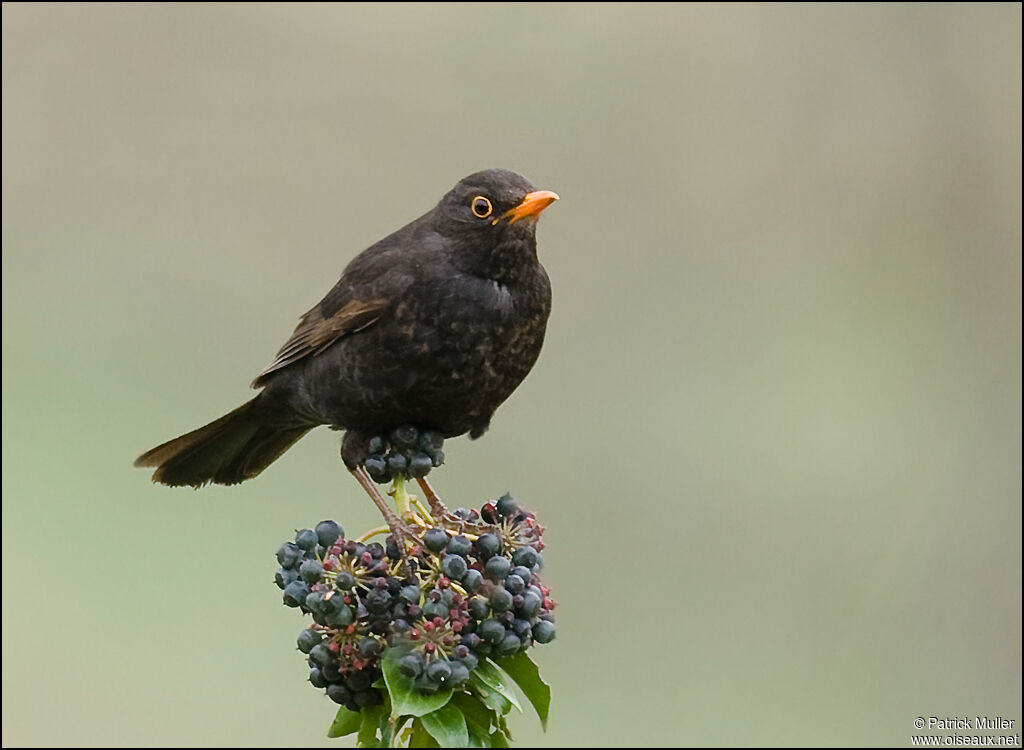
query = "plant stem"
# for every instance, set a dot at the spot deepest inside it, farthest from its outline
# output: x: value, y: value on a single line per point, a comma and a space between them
x: 402, y: 497
x: 374, y: 532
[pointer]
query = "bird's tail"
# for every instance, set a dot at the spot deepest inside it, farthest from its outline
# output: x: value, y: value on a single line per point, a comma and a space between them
x: 229, y: 450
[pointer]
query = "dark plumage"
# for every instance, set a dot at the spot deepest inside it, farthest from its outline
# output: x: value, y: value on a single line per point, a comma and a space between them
x: 435, y: 325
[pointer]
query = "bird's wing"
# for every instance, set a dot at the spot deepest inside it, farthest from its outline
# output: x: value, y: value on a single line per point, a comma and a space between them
x: 337, y: 315
x: 376, y: 278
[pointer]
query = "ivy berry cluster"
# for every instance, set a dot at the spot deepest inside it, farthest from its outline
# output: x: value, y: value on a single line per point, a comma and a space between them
x: 468, y: 589
x: 405, y: 452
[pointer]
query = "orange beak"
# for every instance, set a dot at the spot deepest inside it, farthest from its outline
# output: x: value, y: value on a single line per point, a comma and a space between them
x: 530, y: 206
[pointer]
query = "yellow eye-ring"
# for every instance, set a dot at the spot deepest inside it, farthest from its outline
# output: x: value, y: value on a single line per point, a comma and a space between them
x: 481, y: 207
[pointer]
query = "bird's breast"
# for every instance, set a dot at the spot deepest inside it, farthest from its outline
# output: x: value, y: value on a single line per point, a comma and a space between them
x: 470, y: 327
x: 445, y: 356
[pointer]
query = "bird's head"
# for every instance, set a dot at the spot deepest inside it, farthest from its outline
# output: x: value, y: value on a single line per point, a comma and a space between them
x: 491, y: 216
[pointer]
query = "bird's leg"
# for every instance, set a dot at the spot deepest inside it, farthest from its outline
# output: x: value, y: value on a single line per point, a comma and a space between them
x: 399, y: 528
x: 439, y: 508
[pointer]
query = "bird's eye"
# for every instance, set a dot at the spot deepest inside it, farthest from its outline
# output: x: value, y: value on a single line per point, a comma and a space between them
x: 481, y: 207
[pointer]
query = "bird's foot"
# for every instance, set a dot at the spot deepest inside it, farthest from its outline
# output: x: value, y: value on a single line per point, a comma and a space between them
x: 403, y: 533
x: 413, y: 518
x: 461, y: 521
x: 437, y: 507
x: 442, y: 514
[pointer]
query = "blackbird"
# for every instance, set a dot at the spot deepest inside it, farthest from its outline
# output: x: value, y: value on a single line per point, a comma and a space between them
x: 433, y: 326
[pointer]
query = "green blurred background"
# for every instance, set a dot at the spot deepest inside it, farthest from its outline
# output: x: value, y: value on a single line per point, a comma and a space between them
x: 775, y: 431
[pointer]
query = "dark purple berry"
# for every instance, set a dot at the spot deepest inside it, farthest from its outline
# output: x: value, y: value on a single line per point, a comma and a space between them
x: 377, y: 601
x: 341, y: 618
x: 435, y: 540
x: 338, y: 693
x: 435, y: 609
x: 405, y: 436
x: 509, y: 645
x: 284, y: 576
x: 525, y: 556
x: 531, y: 605
x: 487, y: 546
x: 491, y: 631
x: 454, y: 566
x: 359, y: 680
x: 411, y: 665
x: 377, y: 468
x: 497, y: 568
x: 430, y: 441
x: 506, y: 506
x: 439, y: 671
x: 397, y: 463
x: 306, y: 539
x: 459, y: 673
x: 295, y: 594
x: 366, y: 698
x: 478, y: 608
x: 501, y: 600
x: 420, y: 465
x: 368, y: 648
x: 311, y: 571
x: 472, y: 580
x: 544, y: 631
x: 328, y: 532
x: 289, y: 555
x: 320, y: 654
x: 307, y: 639
x: 460, y: 545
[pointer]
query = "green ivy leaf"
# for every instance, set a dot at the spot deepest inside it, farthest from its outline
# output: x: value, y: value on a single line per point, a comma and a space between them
x: 526, y: 674
x: 490, y: 675
x: 491, y: 698
x: 478, y: 740
x: 498, y: 740
x: 479, y: 718
x: 420, y: 737
x: 370, y: 725
x: 346, y: 722
x: 447, y: 725
x: 405, y: 699
x: 503, y: 728
x: 389, y: 730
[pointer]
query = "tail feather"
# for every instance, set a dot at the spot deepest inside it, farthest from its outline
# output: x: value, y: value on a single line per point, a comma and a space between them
x: 229, y: 450
x: 265, y: 447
